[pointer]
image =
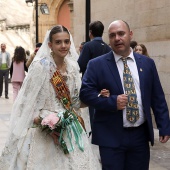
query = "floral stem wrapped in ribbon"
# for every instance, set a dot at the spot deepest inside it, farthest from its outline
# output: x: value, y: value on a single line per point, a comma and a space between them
x: 60, y: 122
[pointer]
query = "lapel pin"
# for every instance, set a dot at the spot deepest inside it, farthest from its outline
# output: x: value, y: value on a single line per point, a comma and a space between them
x: 141, y: 69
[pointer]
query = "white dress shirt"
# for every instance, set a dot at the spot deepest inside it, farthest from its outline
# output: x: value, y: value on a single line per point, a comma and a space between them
x: 134, y: 72
x: 4, y: 58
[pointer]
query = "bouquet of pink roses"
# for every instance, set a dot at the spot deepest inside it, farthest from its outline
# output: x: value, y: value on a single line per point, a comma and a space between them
x: 58, y: 123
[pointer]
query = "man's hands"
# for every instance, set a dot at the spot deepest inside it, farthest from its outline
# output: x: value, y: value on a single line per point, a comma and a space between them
x: 163, y: 139
x: 122, y: 101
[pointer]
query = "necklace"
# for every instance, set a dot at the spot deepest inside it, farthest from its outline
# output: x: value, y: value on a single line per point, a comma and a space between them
x: 62, y: 69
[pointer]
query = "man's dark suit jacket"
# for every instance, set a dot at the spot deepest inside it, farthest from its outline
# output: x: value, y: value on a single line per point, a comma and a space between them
x: 102, y: 73
x: 92, y: 49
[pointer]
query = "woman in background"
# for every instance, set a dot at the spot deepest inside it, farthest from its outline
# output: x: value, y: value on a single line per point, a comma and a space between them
x: 141, y: 49
x: 17, y: 69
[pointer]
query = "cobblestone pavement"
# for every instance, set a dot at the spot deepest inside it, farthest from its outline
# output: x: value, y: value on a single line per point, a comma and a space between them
x: 160, y: 153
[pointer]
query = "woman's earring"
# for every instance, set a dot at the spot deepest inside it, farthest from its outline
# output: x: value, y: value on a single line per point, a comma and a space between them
x: 52, y: 53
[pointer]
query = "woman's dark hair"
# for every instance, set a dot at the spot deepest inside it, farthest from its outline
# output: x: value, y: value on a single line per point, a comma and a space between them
x: 57, y: 29
x: 19, y: 54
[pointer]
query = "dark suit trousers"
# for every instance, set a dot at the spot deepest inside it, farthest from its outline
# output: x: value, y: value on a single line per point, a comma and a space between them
x: 5, y: 74
x: 132, y: 154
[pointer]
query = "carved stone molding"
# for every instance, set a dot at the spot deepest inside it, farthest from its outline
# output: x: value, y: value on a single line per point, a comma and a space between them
x: 16, y: 27
x: 5, y: 26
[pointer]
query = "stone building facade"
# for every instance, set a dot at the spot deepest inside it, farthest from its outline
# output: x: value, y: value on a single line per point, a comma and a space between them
x: 60, y: 13
x: 15, y: 21
x: 148, y: 19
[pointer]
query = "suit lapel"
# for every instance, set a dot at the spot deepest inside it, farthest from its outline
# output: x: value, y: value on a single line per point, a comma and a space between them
x: 141, y: 70
x: 114, y: 70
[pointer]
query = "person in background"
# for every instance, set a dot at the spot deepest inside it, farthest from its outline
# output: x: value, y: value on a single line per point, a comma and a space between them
x: 17, y: 70
x: 27, y: 55
x: 141, y: 49
x: 38, y: 45
x: 122, y: 125
x: 133, y: 44
x: 81, y: 46
x: 4, y: 69
x: 93, y: 48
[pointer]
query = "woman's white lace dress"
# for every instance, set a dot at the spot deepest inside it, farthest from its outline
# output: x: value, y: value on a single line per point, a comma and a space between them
x: 29, y: 148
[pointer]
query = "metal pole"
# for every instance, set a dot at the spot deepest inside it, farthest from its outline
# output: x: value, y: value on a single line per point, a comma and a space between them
x: 36, y: 19
x: 88, y: 17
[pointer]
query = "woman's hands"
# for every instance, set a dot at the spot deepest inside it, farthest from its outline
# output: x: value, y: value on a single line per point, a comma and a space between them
x: 54, y: 135
x: 37, y: 121
x: 104, y: 93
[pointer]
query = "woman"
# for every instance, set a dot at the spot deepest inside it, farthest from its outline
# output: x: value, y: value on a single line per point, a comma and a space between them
x: 17, y: 70
x: 31, y: 148
x: 141, y: 49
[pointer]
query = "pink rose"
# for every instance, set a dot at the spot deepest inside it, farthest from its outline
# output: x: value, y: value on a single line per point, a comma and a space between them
x: 50, y: 120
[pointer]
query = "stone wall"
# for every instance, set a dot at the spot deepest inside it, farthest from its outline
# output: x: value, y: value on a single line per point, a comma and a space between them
x: 16, y: 25
x: 149, y: 19
x: 48, y: 21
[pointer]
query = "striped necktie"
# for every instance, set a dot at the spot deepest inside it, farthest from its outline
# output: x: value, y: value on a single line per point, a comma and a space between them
x: 132, y: 109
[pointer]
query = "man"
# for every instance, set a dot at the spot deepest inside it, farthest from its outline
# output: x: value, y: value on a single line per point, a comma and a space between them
x: 122, y: 124
x: 27, y: 55
x: 4, y: 69
x: 29, y: 61
x: 133, y: 44
x: 81, y: 46
x: 95, y: 47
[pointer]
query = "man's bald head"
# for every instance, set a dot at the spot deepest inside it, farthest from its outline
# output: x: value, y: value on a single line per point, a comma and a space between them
x: 120, y: 21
